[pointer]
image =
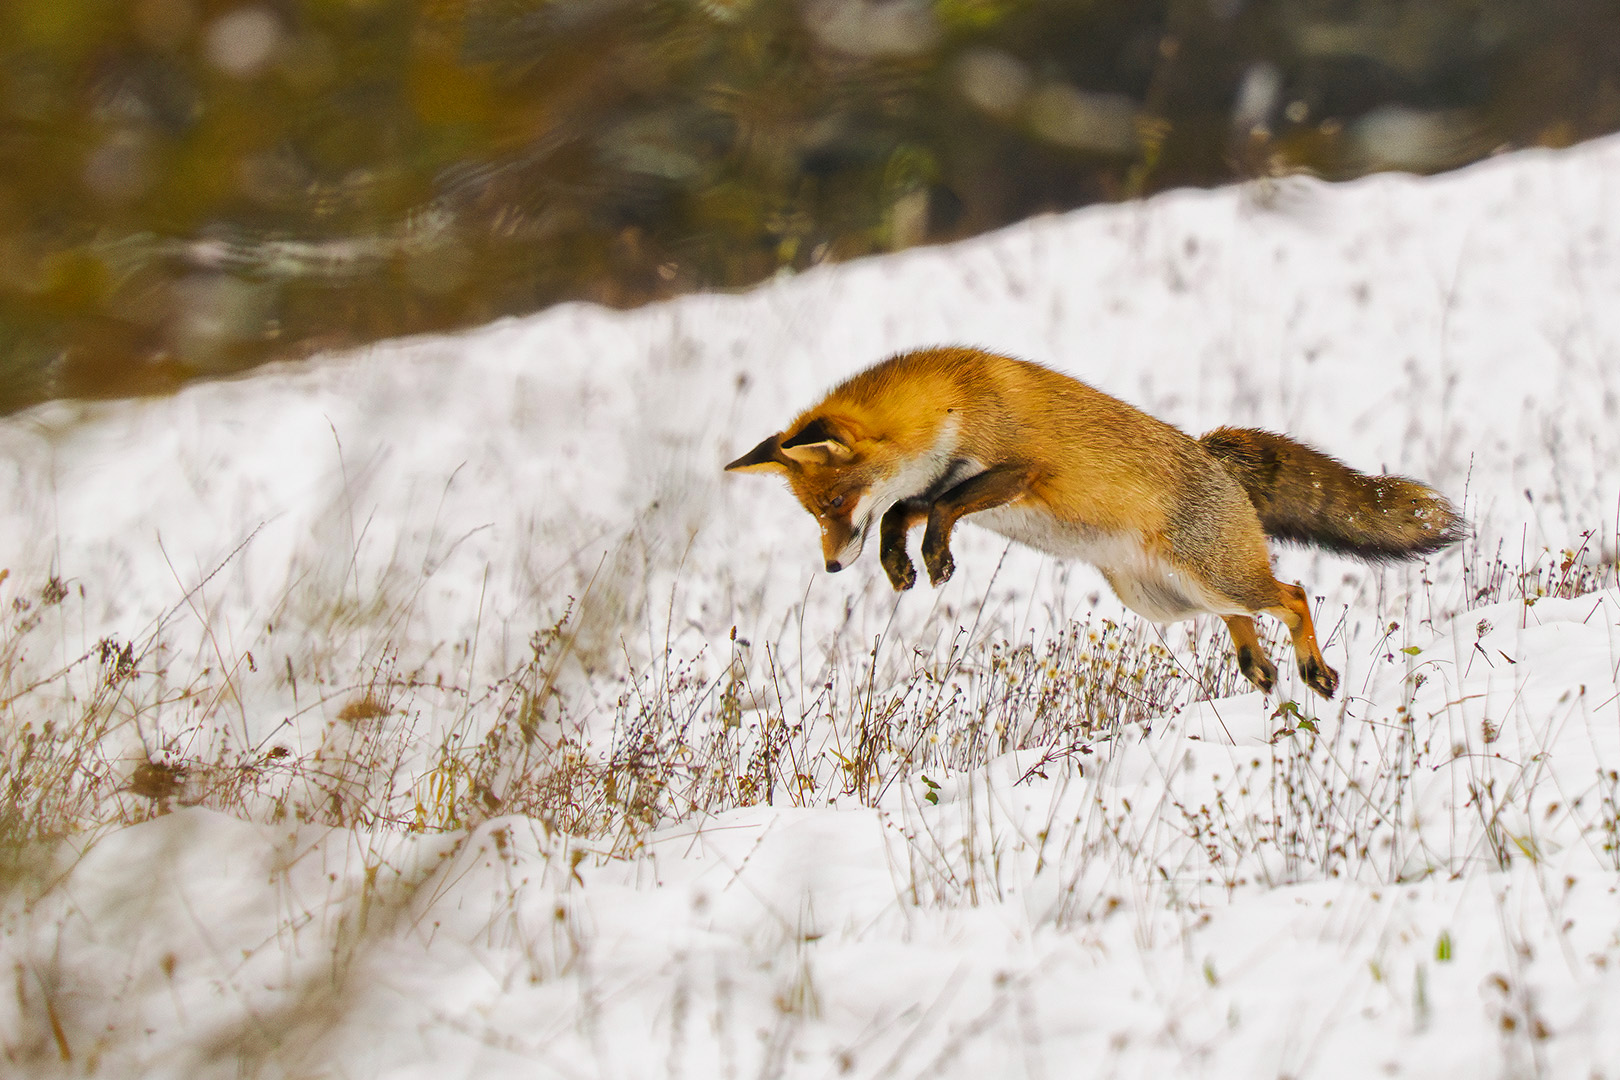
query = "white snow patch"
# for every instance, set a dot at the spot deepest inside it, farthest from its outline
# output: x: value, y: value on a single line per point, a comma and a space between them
x: 1425, y: 885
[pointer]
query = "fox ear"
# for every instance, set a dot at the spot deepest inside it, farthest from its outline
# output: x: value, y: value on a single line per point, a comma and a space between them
x: 818, y: 443
x: 766, y: 457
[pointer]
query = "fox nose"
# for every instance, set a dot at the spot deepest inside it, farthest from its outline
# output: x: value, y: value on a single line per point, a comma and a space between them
x: 833, y: 566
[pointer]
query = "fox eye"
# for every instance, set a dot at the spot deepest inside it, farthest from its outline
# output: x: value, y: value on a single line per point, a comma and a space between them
x: 836, y: 502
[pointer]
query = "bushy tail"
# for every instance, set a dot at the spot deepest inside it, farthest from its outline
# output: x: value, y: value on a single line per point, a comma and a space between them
x: 1306, y: 496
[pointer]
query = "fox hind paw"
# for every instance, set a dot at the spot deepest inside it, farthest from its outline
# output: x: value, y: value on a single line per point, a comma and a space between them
x: 1318, y: 676
x: 940, y: 569
x: 1257, y: 668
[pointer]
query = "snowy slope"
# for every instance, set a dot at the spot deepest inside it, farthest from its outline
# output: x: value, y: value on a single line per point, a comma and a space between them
x: 1424, y: 884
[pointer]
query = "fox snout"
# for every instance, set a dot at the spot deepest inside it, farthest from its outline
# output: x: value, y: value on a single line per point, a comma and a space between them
x: 824, y: 468
x: 841, y: 543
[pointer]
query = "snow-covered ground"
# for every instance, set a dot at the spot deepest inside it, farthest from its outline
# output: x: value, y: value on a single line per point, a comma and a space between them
x: 351, y: 559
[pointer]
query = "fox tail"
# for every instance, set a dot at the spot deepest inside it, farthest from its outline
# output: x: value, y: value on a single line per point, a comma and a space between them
x: 1305, y: 496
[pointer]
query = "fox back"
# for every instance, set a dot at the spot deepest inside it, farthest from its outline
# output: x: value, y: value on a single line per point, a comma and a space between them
x: 928, y: 418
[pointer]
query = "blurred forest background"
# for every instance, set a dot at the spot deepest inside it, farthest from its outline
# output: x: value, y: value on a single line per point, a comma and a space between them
x: 190, y: 187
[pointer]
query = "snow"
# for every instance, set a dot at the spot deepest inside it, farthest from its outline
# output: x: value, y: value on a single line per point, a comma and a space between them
x: 1426, y: 884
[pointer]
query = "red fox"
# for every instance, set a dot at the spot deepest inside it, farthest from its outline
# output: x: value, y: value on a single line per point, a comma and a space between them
x: 1177, y: 525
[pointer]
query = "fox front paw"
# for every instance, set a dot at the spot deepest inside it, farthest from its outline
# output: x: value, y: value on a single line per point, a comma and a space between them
x: 1318, y: 676
x: 897, y: 564
x: 940, y: 565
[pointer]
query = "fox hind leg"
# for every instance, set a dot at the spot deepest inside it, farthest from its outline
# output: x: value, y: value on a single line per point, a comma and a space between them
x: 1244, y: 586
x: 1295, y: 613
x: 1251, y: 658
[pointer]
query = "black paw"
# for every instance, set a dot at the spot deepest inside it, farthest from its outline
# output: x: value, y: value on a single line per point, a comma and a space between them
x: 902, y: 575
x: 1257, y: 668
x: 940, y: 565
x: 1318, y: 676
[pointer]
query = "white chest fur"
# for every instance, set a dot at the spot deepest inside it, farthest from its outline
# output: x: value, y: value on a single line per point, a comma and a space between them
x: 914, y: 476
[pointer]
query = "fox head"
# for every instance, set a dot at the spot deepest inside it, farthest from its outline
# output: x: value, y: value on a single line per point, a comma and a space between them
x: 828, y: 464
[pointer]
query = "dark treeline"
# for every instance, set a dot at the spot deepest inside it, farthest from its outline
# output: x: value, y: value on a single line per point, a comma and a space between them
x: 194, y: 186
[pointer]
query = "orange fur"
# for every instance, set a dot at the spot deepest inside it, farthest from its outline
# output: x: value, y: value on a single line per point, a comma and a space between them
x: 936, y: 435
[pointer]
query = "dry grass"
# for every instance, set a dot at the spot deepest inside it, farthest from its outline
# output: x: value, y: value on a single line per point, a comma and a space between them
x: 117, y: 735
x: 120, y: 734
